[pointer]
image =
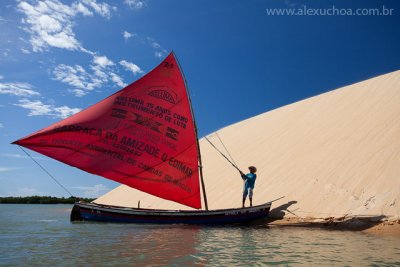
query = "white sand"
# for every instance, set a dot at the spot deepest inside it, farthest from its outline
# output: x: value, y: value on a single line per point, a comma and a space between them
x: 336, y: 154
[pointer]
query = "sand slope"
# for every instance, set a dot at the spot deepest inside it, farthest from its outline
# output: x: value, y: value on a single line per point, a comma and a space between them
x: 335, y: 154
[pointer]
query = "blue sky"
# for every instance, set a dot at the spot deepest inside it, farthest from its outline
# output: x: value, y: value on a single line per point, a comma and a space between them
x: 58, y: 57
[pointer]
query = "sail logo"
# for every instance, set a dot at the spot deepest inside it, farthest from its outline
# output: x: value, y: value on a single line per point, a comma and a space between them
x: 153, y: 125
x: 163, y: 93
x: 146, y: 122
x: 172, y: 133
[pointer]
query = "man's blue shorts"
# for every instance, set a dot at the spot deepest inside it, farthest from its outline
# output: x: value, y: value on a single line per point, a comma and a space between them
x: 248, y: 191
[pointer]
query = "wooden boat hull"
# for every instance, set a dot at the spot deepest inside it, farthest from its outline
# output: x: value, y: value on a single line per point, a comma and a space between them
x: 101, y: 213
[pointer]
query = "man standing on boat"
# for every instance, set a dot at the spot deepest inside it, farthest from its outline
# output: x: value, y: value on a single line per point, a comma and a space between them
x: 249, y: 180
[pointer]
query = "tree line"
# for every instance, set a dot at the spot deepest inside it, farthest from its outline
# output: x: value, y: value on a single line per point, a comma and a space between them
x: 42, y: 200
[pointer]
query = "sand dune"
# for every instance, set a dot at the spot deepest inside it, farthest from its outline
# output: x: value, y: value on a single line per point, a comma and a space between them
x: 334, y: 154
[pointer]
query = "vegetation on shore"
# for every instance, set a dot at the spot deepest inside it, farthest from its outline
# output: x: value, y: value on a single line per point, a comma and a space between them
x: 42, y: 200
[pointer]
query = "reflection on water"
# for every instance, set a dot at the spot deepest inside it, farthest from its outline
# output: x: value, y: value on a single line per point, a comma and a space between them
x: 42, y: 235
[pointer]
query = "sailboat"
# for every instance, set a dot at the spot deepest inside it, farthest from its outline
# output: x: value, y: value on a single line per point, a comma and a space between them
x: 143, y: 136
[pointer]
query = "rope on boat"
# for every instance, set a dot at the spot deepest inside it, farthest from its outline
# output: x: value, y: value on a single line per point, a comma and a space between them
x: 234, y: 165
x: 48, y: 173
x: 229, y: 154
x: 276, y: 199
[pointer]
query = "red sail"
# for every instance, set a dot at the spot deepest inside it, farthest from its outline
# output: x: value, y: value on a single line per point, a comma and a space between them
x: 142, y: 136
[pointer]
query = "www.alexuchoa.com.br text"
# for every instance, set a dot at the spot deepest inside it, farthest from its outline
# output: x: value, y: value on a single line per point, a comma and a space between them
x: 331, y: 11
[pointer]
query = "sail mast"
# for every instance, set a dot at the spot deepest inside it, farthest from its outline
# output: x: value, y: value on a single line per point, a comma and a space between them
x: 196, y: 134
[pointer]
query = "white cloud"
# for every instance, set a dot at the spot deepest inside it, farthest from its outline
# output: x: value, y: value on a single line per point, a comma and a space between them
x: 25, y: 51
x: 135, y: 4
x: 83, y: 9
x: 128, y: 35
x: 49, y: 25
x: 18, y: 89
x: 155, y: 45
x: 93, y: 191
x: 64, y: 111
x: 37, y: 108
x: 1, y: 126
x: 117, y: 79
x: 102, y: 9
x: 100, y: 73
x: 102, y: 61
x: 158, y: 54
x: 103, y: 71
x: 18, y: 156
x: 50, y: 22
x: 7, y: 169
x: 1, y: 77
x: 77, y: 77
x: 131, y: 67
x: 79, y: 92
x: 159, y: 50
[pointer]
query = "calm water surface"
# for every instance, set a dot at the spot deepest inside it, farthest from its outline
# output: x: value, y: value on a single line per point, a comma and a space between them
x: 43, y: 235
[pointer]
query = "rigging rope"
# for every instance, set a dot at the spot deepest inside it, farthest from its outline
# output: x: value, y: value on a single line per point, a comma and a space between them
x: 229, y: 154
x: 49, y: 174
x: 234, y: 165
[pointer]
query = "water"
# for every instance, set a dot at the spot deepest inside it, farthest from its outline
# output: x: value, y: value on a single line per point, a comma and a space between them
x: 42, y: 235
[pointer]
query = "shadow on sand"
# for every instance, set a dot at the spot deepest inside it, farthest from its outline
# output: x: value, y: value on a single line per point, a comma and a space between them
x: 354, y: 222
x: 278, y: 212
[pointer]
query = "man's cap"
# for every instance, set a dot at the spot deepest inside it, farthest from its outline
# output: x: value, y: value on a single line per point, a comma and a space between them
x: 252, y: 168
